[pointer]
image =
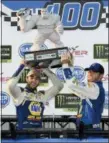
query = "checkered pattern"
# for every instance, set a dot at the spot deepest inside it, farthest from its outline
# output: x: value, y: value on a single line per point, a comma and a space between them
x: 105, y: 17
x: 14, y: 20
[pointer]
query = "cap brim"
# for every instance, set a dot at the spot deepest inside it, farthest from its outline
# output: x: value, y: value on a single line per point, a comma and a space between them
x: 87, y: 69
x: 90, y: 69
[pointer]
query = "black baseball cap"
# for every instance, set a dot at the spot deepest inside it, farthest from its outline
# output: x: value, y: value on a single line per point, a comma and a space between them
x: 96, y: 67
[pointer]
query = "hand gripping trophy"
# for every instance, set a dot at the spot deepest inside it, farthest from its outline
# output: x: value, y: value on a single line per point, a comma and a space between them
x: 48, y: 25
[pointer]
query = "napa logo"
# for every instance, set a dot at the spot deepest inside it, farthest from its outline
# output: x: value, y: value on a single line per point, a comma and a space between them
x: 35, y: 108
x: 26, y: 47
x: 77, y: 72
x: 5, y: 99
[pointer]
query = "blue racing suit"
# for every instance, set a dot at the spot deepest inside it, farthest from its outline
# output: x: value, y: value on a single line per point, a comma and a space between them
x: 30, y: 102
x: 92, y: 95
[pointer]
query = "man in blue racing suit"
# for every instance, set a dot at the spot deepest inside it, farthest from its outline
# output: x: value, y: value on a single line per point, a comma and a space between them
x: 92, y: 93
x: 28, y: 101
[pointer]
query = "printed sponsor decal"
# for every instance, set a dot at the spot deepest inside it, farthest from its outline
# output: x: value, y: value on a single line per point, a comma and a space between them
x: 35, y: 108
x: 101, y: 51
x: 3, y: 79
x: 26, y: 48
x: 66, y: 101
x: 78, y: 53
x: 77, y: 72
x: 5, y: 99
x: 6, y: 54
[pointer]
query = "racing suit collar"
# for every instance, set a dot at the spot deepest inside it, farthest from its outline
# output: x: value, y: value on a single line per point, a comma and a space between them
x: 29, y: 89
x: 100, y: 82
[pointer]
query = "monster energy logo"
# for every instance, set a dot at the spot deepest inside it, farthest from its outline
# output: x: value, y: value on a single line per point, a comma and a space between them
x: 66, y: 101
x: 101, y: 51
x: 23, y: 76
x: 43, y: 79
x: 6, y: 53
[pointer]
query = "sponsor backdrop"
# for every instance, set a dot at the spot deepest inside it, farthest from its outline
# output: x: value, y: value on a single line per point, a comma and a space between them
x: 85, y: 30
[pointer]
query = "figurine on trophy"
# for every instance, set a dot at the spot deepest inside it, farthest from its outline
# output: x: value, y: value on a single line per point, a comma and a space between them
x: 48, y: 25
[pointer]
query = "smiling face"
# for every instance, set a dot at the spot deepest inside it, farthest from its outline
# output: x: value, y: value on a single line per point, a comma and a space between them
x: 33, y: 79
x: 93, y: 76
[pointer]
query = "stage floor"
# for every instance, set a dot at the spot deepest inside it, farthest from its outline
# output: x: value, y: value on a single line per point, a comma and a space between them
x: 45, y: 140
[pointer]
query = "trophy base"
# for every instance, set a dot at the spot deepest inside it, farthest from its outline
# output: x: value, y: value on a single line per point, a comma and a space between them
x: 56, y: 63
x: 44, y: 64
x: 51, y: 64
x: 45, y: 58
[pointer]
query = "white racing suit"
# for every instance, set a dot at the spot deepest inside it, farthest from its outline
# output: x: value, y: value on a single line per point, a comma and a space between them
x: 47, y: 29
x: 30, y: 103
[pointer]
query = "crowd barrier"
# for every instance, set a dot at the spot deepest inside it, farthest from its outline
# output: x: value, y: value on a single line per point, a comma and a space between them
x: 53, y: 127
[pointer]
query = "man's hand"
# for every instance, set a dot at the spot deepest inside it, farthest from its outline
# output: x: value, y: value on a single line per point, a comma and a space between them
x: 25, y: 63
x: 60, y: 29
x: 23, y: 12
x: 67, y: 58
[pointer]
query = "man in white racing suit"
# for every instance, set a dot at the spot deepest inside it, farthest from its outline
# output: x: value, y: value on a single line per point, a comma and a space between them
x: 48, y: 26
x: 28, y: 101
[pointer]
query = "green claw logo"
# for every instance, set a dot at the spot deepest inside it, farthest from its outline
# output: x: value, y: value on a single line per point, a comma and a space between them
x: 101, y: 51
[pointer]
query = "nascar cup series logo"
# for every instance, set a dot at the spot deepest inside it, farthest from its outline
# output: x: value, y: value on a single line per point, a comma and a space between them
x: 5, y: 99
x: 26, y: 48
x: 77, y: 72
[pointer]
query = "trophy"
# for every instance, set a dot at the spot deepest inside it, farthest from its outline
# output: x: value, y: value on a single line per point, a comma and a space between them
x: 45, y: 58
x: 49, y: 26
